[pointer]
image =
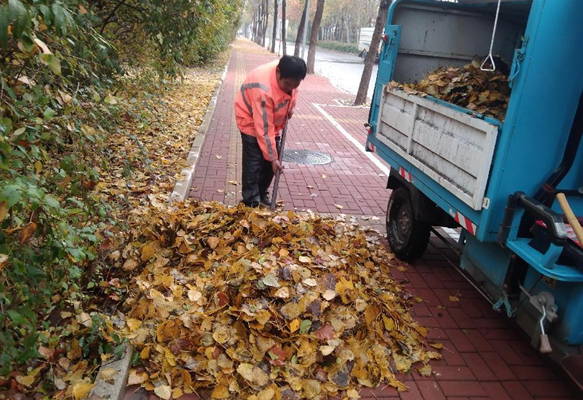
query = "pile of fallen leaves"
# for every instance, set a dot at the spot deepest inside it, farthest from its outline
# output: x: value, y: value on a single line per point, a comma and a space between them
x: 150, y: 150
x: 256, y: 305
x: 484, y: 92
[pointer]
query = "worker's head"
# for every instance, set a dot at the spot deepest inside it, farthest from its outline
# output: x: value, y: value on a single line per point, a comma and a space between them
x: 290, y: 72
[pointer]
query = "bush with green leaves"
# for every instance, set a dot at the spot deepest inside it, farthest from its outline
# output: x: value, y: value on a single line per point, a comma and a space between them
x: 339, y: 46
x: 59, y: 63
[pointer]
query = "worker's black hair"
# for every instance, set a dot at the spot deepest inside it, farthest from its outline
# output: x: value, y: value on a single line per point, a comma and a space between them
x: 292, y: 67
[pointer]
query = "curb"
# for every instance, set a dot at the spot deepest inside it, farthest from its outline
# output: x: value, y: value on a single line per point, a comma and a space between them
x: 182, y: 186
x: 112, y: 378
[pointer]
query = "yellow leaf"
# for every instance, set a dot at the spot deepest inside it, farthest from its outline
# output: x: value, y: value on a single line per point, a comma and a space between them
x: 25, y: 380
x: 403, y: 363
x: 129, y: 265
x: 44, y: 48
x: 437, y: 345
x: 253, y: 374
x: 81, y: 390
x: 262, y: 316
x: 327, y: 350
x: 266, y: 394
x: 282, y: 293
x: 136, y: 378
x: 389, y: 323
x: 305, y: 260
x: 111, y: 100
x: 329, y: 294
x: 220, y: 392
x: 133, y: 324
x: 145, y: 353
x: 213, y: 242
x: 177, y: 393
x: 294, y: 325
x: 221, y: 334
x: 108, y: 374
x: 291, y: 310
x: 150, y: 249
x: 163, y: 391
x: 194, y: 295
x: 3, y: 210
x: 345, y: 287
x: 85, y: 320
x: 425, y: 370
x: 454, y: 299
x: 312, y: 388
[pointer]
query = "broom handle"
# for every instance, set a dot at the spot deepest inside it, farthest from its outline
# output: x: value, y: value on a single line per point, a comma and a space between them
x: 571, y: 218
x: 278, y: 173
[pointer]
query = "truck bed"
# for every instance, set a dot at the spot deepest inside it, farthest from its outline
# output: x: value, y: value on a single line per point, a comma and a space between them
x: 450, y: 146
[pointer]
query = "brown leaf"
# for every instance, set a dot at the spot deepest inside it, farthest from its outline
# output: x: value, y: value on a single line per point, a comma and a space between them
x: 213, y: 242
x: 27, y: 232
x: 129, y: 265
x: 325, y: 332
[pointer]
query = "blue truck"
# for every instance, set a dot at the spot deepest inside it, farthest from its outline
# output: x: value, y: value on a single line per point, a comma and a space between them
x: 496, y: 180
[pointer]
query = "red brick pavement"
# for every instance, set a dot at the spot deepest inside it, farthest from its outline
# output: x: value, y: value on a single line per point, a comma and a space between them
x: 351, y: 183
x: 485, y: 356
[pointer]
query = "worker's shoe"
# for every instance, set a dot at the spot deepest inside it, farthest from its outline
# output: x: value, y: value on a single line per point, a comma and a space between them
x: 252, y: 204
x: 265, y: 201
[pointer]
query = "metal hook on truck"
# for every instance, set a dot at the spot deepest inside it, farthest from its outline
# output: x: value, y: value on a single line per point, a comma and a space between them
x: 496, y: 180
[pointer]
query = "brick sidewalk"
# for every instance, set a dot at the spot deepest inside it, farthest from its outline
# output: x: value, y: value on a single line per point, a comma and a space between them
x: 351, y: 183
x: 485, y: 356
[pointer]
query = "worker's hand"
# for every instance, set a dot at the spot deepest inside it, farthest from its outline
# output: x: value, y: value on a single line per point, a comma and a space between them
x: 276, y: 165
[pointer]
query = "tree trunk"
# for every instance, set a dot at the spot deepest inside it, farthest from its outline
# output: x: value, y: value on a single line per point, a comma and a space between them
x: 301, y: 29
x: 372, y: 53
x: 283, y: 27
x: 274, y: 34
x: 265, y: 21
x: 347, y: 31
x: 254, y: 35
x: 314, y: 36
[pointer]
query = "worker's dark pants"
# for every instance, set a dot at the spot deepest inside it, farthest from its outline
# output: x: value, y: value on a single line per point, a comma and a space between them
x: 257, y: 171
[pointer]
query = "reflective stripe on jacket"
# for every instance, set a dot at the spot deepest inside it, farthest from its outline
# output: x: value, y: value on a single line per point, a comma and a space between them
x: 261, y: 108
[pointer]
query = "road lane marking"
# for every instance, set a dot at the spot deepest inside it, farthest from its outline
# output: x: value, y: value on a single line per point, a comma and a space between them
x: 383, y: 168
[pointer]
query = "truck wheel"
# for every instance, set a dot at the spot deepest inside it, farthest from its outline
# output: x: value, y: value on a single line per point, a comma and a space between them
x: 407, y: 237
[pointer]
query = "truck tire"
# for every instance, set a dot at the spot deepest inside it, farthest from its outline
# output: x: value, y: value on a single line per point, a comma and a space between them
x: 407, y: 237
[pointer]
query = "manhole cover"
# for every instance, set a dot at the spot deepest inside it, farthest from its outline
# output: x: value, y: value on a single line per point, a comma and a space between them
x: 308, y: 157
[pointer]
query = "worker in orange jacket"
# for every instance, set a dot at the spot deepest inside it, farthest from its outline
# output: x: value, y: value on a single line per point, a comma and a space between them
x: 262, y: 107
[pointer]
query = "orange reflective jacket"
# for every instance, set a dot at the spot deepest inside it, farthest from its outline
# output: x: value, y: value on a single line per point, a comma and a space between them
x: 261, y: 108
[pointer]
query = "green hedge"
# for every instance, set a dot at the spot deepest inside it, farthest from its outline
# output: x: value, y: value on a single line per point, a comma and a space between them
x: 60, y: 61
x: 339, y: 46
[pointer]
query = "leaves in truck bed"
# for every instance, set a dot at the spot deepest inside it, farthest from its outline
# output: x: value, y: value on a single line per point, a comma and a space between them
x: 484, y: 92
